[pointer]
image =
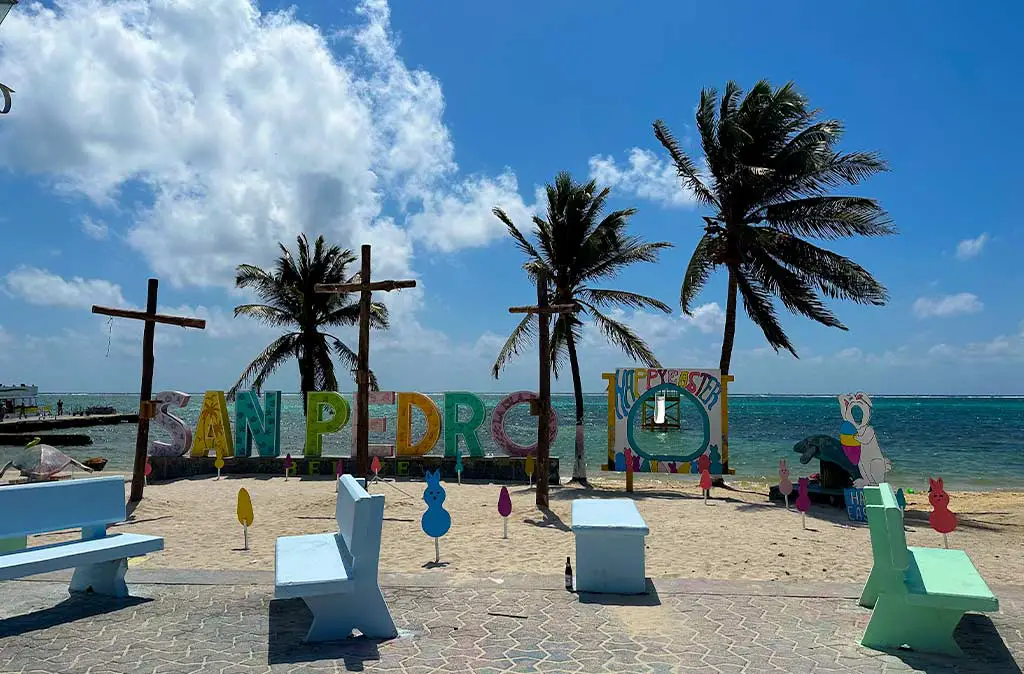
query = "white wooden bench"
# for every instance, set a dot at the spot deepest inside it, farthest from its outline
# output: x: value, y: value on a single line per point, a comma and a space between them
x: 99, y: 560
x: 336, y: 574
x: 609, y: 537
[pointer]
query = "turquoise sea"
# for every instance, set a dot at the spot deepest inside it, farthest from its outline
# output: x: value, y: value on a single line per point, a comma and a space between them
x: 972, y: 442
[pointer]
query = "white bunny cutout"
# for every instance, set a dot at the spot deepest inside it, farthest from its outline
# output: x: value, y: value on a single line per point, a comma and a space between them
x: 873, y: 466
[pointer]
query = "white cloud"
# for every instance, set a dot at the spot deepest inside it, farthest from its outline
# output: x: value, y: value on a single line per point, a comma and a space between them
x: 38, y: 286
x: 95, y: 229
x: 463, y: 217
x: 244, y: 129
x: 969, y: 248
x: 947, y: 305
x: 645, y: 175
x: 1002, y: 348
x: 658, y: 329
x: 850, y: 353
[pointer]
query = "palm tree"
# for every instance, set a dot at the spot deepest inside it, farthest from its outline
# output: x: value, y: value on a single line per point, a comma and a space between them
x: 577, y: 247
x: 290, y: 302
x: 771, y: 164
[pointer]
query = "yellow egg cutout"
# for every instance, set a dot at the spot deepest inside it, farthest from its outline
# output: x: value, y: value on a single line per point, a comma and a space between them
x: 219, y: 463
x: 529, y: 465
x: 245, y: 516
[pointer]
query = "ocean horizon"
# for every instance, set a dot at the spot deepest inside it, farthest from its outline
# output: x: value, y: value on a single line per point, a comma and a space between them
x: 974, y: 442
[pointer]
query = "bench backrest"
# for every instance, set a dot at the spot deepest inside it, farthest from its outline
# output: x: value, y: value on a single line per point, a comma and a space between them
x: 360, y: 518
x: 41, y: 507
x: 888, y: 539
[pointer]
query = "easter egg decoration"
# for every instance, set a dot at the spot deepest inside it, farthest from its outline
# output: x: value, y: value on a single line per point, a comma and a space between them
x: 504, y: 507
x: 941, y: 518
x: 245, y: 515
x: 375, y: 467
x: 339, y: 468
x: 528, y: 466
x: 147, y: 471
x: 803, y: 499
x: 704, y: 468
x: 287, y: 465
x: 458, y: 464
x: 436, y: 521
x: 218, y: 463
x: 785, y: 486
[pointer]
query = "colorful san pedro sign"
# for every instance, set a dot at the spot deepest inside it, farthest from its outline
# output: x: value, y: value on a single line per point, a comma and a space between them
x: 328, y: 412
x: 705, y: 389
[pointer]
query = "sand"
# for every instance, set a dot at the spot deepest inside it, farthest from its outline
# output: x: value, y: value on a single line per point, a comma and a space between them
x: 739, y: 534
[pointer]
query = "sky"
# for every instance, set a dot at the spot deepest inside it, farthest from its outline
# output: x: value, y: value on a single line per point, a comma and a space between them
x: 179, y: 138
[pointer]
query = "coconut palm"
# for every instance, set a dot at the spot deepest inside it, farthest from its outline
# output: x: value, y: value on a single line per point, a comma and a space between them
x: 290, y: 302
x: 578, y: 247
x: 770, y: 164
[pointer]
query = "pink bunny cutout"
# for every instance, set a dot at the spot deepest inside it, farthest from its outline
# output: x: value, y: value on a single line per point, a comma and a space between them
x: 785, y: 486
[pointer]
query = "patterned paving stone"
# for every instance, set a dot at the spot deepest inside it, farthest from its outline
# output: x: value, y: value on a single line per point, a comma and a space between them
x: 239, y: 629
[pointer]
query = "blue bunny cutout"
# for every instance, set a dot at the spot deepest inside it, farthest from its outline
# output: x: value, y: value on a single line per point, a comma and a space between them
x: 436, y: 520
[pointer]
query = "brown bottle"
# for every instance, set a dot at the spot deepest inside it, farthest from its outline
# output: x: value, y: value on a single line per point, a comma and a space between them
x: 568, y: 575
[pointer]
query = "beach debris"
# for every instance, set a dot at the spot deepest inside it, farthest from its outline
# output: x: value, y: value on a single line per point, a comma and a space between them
x: 505, y: 508
x: 941, y: 518
x: 529, y: 466
x: 436, y: 521
x: 704, y: 467
x: 245, y: 515
x: 287, y: 465
x: 458, y: 464
x: 860, y: 444
x: 803, y: 499
x: 785, y: 486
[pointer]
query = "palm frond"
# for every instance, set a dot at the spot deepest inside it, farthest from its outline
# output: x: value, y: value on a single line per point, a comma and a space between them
x: 520, y: 337
x: 757, y: 302
x: 265, y: 313
x: 828, y: 217
x: 687, y: 170
x: 706, y: 256
x: 521, y: 242
x: 608, y: 298
x: 622, y: 336
x: 261, y: 367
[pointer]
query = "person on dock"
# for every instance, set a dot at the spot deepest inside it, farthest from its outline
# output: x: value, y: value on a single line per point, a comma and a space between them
x: 60, y: 407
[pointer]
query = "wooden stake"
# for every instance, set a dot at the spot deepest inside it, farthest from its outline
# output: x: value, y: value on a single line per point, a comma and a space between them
x: 365, y: 289
x: 506, y: 527
x: 786, y: 496
x: 945, y: 542
x: 437, y: 550
x: 151, y: 318
x: 544, y: 312
x: 245, y: 537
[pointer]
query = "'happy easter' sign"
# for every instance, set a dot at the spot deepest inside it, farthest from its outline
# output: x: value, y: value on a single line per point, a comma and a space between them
x: 258, y: 425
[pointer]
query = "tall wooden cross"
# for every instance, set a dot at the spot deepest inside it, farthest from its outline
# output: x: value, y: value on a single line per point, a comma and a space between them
x: 365, y: 289
x: 544, y: 312
x: 146, y: 406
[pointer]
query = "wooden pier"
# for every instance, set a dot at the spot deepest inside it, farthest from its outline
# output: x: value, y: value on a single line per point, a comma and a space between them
x: 66, y: 421
x: 55, y: 439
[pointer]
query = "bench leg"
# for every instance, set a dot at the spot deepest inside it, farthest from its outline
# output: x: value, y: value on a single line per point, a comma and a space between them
x: 336, y: 615
x: 103, y: 578
x: 924, y: 629
x: 869, y: 595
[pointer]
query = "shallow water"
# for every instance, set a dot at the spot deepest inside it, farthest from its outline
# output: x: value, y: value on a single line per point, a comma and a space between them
x: 972, y: 442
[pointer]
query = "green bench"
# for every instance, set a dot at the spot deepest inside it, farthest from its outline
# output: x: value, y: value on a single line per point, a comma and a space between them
x: 918, y: 594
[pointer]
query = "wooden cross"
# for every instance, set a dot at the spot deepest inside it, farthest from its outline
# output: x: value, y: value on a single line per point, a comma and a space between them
x: 146, y: 407
x: 365, y: 289
x: 544, y: 312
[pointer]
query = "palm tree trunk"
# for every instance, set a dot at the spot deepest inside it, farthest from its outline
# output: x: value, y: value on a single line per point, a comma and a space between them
x: 579, y: 467
x: 307, y: 381
x: 730, y: 325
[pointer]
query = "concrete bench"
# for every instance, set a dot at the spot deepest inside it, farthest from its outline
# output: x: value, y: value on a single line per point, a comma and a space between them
x: 918, y: 595
x: 609, y: 537
x: 99, y: 559
x: 336, y: 574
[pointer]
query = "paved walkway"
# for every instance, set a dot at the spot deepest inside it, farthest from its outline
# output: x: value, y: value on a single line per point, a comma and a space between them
x: 226, y: 623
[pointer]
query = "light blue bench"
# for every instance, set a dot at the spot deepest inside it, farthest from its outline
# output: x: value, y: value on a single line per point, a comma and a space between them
x: 609, y: 537
x: 336, y: 574
x: 99, y: 560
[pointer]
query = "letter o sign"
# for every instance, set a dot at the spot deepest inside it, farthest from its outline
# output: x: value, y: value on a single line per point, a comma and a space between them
x: 502, y: 440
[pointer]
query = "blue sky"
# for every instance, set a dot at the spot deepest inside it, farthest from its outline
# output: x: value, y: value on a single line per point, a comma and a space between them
x: 180, y: 138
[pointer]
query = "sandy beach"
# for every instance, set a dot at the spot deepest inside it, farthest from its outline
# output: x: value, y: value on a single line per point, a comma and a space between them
x: 739, y: 534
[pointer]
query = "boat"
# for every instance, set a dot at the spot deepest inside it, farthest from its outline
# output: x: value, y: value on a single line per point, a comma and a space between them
x: 15, y: 399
